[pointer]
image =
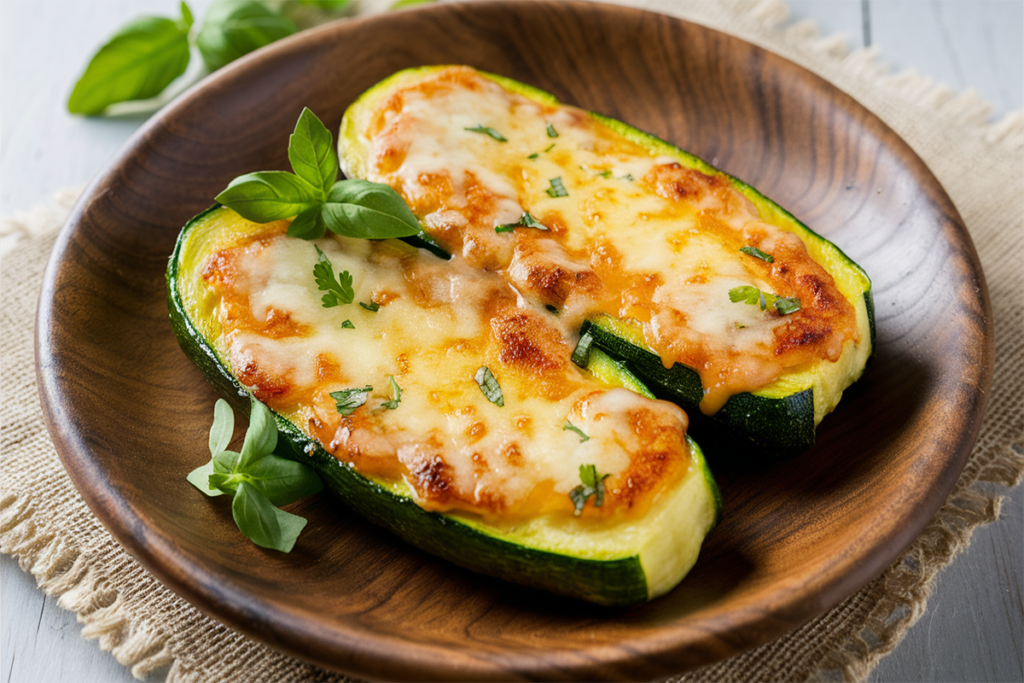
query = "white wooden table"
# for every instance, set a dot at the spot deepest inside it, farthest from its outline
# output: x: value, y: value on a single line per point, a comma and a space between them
x: 972, y: 630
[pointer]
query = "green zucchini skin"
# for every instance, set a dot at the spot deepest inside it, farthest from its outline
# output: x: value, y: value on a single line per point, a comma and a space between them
x: 613, y: 582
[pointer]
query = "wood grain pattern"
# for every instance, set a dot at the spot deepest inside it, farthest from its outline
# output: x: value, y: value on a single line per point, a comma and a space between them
x: 129, y: 414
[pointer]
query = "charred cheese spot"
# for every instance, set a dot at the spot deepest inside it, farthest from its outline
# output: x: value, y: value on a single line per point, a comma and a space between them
x: 526, y: 343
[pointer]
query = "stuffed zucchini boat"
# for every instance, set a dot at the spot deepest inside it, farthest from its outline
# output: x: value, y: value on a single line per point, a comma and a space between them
x: 443, y: 406
x: 717, y: 298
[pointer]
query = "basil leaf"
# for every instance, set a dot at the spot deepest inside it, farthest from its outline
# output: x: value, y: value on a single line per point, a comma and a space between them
x: 268, y: 196
x: 226, y: 462
x: 281, y: 480
x: 573, y: 428
x: 311, y: 152
x: 757, y: 253
x: 348, y: 325
x: 368, y: 210
x: 396, y: 394
x: 329, y: 5
x: 489, y: 386
x: 557, y: 189
x: 262, y: 523
x: 350, y: 399
x: 486, y: 130
x: 200, y: 478
x: 260, y: 438
x: 593, y: 485
x: 525, y: 221
x: 552, y: 133
x: 787, y: 305
x: 308, y: 225
x: 372, y: 307
x: 223, y: 427
x: 186, y: 18
x: 141, y: 60
x: 402, y: 4
x: 338, y: 292
x: 234, y: 28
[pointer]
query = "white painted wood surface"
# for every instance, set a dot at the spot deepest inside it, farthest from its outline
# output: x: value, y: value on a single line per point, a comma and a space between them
x: 972, y: 630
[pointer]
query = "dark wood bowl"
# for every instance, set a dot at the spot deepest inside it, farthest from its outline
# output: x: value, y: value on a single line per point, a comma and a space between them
x: 129, y: 414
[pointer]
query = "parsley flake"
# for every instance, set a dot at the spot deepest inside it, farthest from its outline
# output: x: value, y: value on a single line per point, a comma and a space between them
x: 396, y: 394
x: 372, y: 307
x: 552, y: 133
x: 593, y: 485
x: 337, y: 291
x: 489, y: 386
x: 486, y: 130
x: 569, y: 426
x: 752, y: 295
x: 757, y: 253
x: 350, y: 399
x: 557, y: 189
x: 348, y: 325
x: 525, y: 221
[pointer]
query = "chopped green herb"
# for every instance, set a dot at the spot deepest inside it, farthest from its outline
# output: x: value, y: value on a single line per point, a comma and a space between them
x: 396, y: 394
x: 552, y: 133
x: 754, y: 296
x: 593, y: 485
x: 629, y: 177
x: 557, y: 189
x: 569, y: 426
x: 549, y: 148
x: 350, y: 399
x: 605, y: 174
x: 787, y: 305
x: 348, y: 325
x: 372, y: 307
x: 534, y: 155
x: 489, y: 386
x: 337, y: 292
x: 757, y: 253
x: 581, y: 354
x: 486, y: 130
x: 525, y: 221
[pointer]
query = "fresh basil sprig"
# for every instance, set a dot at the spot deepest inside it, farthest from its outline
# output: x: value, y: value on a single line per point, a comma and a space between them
x: 258, y: 479
x: 749, y: 294
x: 593, y: 485
x: 234, y: 28
x: 313, y: 195
x: 137, y: 63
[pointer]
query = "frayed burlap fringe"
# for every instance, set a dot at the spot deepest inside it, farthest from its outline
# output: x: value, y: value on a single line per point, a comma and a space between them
x: 148, y: 629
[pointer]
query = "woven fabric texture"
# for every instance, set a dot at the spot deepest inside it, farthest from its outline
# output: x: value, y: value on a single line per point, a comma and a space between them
x: 148, y: 628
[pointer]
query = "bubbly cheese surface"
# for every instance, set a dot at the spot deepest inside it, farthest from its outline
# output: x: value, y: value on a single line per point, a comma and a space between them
x: 622, y: 231
x: 437, y: 324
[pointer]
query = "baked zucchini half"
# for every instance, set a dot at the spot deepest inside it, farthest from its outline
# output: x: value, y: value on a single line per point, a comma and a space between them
x: 604, y: 559
x: 503, y: 163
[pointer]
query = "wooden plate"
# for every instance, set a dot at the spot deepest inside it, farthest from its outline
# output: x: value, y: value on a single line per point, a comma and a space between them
x: 129, y: 414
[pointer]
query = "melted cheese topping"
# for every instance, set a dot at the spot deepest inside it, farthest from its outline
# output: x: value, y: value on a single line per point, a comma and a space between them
x: 635, y: 236
x: 437, y: 325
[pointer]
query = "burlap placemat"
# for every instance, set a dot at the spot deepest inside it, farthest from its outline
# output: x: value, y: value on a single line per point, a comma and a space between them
x: 148, y: 628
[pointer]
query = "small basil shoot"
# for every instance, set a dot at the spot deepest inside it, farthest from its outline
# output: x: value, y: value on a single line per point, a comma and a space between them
x: 552, y: 133
x: 593, y: 485
x: 315, y: 198
x: 137, y: 63
x: 557, y: 189
x: 259, y: 479
x: 752, y: 295
x: 486, y: 130
x: 337, y: 291
x: 569, y: 426
x: 757, y: 253
x: 348, y: 400
x: 525, y: 221
x: 372, y: 307
x: 347, y: 325
x: 396, y: 394
x: 581, y: 354
x: 489, y: 386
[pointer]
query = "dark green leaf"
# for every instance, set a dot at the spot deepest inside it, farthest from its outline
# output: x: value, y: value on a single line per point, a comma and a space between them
x: 593, y: 485
x: 137, y: 63
x: 260, y: 437
x: 552, y: 133
x: 581, y: 354
x: 233, y: 28
x: 311, y: 152
x: 348, y: 325
x: 525, y: 221
x: 787, y: 305
x: 337, y: 291
x: 308, y: 225
x: 396, y: 394
x: 281, y: 480
x: 268, y: 196
x: 372, y: 307
x: 557, y: 189
x: 223, y: 427
x: 350, y: 399
x: 488, y: 131
x: 262, y: 523
x: 489, y: 386
x: 573, y: 428
x: 360, y: 208
x: 757, y: 253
